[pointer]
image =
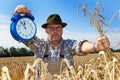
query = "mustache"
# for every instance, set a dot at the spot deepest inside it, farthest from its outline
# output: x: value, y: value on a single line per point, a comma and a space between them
x: 55, y: 39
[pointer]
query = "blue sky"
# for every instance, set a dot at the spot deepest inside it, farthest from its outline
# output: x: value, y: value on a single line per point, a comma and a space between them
x: 78, y: 26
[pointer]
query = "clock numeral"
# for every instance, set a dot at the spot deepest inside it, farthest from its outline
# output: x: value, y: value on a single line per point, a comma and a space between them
x: 19, y: 32
x: 31, y: 31
x: 32, y: 28
x: 24, y: 22
x: 26, y: 36
x: 30, y: 24
x: 19, y: 25
x: 29, y: 34
x: 27, y: 21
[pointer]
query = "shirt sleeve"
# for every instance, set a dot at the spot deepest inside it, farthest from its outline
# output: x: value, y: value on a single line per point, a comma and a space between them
x: 76, y: 47
x: 35, y: 44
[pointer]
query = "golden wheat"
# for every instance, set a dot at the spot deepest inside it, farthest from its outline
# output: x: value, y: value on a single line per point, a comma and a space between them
x: 94, y: 69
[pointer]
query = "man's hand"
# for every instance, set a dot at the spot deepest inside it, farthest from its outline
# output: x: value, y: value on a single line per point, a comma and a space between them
x: 102, y: 43
x: 21, y: 9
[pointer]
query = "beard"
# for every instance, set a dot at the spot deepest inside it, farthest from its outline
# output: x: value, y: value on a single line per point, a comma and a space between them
x: 55, y: 37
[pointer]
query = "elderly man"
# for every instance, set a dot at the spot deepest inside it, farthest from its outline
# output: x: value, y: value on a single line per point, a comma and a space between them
x: 55, y: 47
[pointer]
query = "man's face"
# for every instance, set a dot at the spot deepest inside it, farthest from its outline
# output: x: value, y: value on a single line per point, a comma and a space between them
x: 54, y: 32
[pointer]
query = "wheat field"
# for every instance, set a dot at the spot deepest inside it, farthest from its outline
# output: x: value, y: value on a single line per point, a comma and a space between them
x: 17, y: 65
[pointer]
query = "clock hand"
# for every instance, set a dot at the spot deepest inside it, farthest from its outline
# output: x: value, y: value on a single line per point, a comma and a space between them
x: 23, y: 25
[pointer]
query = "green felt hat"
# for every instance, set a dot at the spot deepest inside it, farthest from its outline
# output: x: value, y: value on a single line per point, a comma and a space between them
x: 54, y: 19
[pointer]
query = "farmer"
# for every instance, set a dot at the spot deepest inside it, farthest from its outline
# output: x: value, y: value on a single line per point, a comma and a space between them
x: 55, y: 46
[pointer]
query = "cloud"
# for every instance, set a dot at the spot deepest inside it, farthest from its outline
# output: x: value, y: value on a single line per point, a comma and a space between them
x: 6, y: 39
x: 79, y: 35
x: 4, y: 19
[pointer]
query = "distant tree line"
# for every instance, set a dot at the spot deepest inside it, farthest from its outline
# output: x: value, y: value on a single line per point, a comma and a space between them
x: 15, y: 52
x: 115, y: 50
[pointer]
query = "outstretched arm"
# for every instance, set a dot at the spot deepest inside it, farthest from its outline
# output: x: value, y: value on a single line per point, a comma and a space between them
x: 102, y: 43
x: 33, y: 44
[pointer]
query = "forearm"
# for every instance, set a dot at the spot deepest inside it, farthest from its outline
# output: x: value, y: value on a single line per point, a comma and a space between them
x: 102, y: 43
x: 31, y: 42
x: 34, y: 44
x: 28, y: 43
x: 88, y: 47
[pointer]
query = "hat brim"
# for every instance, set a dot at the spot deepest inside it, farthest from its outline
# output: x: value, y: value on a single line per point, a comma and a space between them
x: 45, y: 25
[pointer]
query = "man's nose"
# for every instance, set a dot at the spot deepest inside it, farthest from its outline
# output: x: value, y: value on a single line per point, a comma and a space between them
x: 55, y: 31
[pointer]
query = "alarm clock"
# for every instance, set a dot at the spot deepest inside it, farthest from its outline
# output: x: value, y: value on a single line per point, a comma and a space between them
x: 23, y: 28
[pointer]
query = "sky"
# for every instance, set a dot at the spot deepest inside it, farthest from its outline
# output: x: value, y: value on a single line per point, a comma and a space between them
x: 78, y: 26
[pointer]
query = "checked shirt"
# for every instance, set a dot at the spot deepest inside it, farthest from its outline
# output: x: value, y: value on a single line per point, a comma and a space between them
x: 67, y: 48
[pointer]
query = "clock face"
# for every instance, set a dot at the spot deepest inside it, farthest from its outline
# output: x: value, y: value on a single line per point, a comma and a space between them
x: 25, y: 28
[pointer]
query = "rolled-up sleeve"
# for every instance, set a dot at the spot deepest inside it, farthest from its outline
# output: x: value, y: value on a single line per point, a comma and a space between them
x: 35, y: 44
x: 76, y: 47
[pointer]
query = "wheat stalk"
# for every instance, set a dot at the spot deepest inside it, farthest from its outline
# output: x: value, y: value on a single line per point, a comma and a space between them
x: 108, y: 52
x: 5, y: 73
x: 96, y: 19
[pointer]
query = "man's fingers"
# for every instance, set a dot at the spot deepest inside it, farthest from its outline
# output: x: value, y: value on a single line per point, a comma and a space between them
x: 21, y: 9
